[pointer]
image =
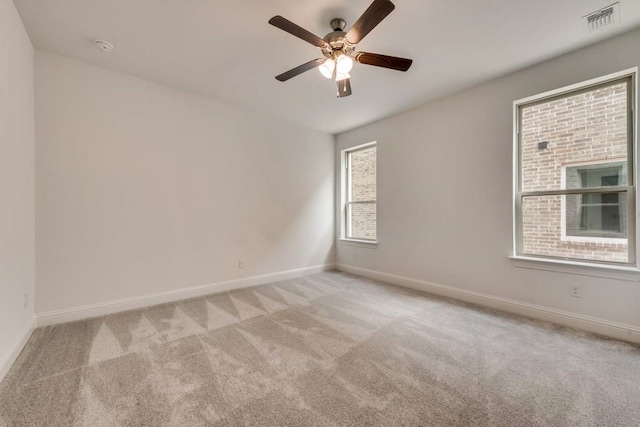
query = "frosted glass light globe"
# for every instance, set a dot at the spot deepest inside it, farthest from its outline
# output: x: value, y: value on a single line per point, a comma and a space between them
x: 344, y: 64
x: 327, y: 67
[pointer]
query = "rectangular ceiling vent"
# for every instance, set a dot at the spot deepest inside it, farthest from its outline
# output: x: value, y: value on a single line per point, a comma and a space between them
x: 604, y: 18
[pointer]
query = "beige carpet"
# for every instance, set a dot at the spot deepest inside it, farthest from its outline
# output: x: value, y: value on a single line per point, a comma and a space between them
x: 329, y: 349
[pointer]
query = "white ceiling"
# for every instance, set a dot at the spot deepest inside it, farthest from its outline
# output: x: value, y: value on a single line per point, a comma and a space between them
x: 225, y: 49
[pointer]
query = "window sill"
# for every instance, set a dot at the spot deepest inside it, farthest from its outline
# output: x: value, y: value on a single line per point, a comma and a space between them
x: 596, y: 240
x: 361, y: 243
x: 618, y: 272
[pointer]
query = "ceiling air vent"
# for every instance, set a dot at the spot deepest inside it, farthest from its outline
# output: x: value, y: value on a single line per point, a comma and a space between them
x: 604, y: 18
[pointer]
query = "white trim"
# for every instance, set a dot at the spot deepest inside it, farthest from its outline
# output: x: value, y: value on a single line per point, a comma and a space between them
x: 600, y: 326
x: 577, y: 86
x: 12, y: 353
x: 358, y: 242
x: 110, y: 307
x: 609, y: 271
x: 585, y: 239
x: 515, y: 178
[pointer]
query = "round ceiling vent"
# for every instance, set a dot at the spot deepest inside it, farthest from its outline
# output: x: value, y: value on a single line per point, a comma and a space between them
x: 104, y: 46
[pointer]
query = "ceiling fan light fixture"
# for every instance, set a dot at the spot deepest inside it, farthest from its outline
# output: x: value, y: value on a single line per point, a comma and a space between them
x: 339, y: 48
x: 327, y: 67
x: 342, y: 76
x: 344, y: 64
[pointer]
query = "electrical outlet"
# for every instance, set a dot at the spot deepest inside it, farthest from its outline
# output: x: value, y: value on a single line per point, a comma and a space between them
x: 575, y: 291
x: 26, y: 299
x: 241, y: 263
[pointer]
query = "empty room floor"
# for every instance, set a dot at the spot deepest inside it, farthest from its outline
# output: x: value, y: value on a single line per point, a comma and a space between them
x: 329, y: 349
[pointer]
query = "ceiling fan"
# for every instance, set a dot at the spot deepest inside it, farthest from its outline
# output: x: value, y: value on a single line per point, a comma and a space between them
x: 339, y: 47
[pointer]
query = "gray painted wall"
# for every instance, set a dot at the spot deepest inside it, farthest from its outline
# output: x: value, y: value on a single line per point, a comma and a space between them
x: 17, y: 252
x: 445, y: 192
x: 144, y: 189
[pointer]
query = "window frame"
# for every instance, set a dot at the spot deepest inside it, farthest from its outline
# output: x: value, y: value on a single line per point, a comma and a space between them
x: 346, y: 203
x: 630, y: 78
x: 586, y: 238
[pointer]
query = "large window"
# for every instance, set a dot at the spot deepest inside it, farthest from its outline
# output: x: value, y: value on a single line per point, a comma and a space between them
x: 574, y: 191
x: 360, y: 193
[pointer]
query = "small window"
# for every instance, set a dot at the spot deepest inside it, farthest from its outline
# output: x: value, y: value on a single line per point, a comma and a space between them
x: 360, y: 164
x: 574, y: 195
x: 596, y: 216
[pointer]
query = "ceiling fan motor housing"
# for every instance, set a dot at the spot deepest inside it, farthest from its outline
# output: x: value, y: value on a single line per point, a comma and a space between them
x: 336, y: 40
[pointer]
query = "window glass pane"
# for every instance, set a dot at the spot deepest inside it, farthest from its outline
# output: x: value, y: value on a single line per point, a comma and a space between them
x: 578, y: 226
x: 363, y: 174
x: 597, y: 215
x: 585, y: 127
x: 363, y: 220
x: 601, y: 174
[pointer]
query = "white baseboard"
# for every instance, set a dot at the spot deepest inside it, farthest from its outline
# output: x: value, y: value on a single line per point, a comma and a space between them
x: 599, y: 326
x: 110, y: 307
x: 9, y: 357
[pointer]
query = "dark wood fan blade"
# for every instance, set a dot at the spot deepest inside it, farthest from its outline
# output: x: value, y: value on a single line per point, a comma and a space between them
x: 300, y: 69
x: 344, y: 88
x: 392, y: 62
x: 377, y: 11
x: 291, y: 28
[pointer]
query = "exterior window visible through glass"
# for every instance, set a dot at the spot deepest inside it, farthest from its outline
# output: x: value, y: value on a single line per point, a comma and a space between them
x: 597, y: 214
x: 574, y: 180
x: 360, y: 207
